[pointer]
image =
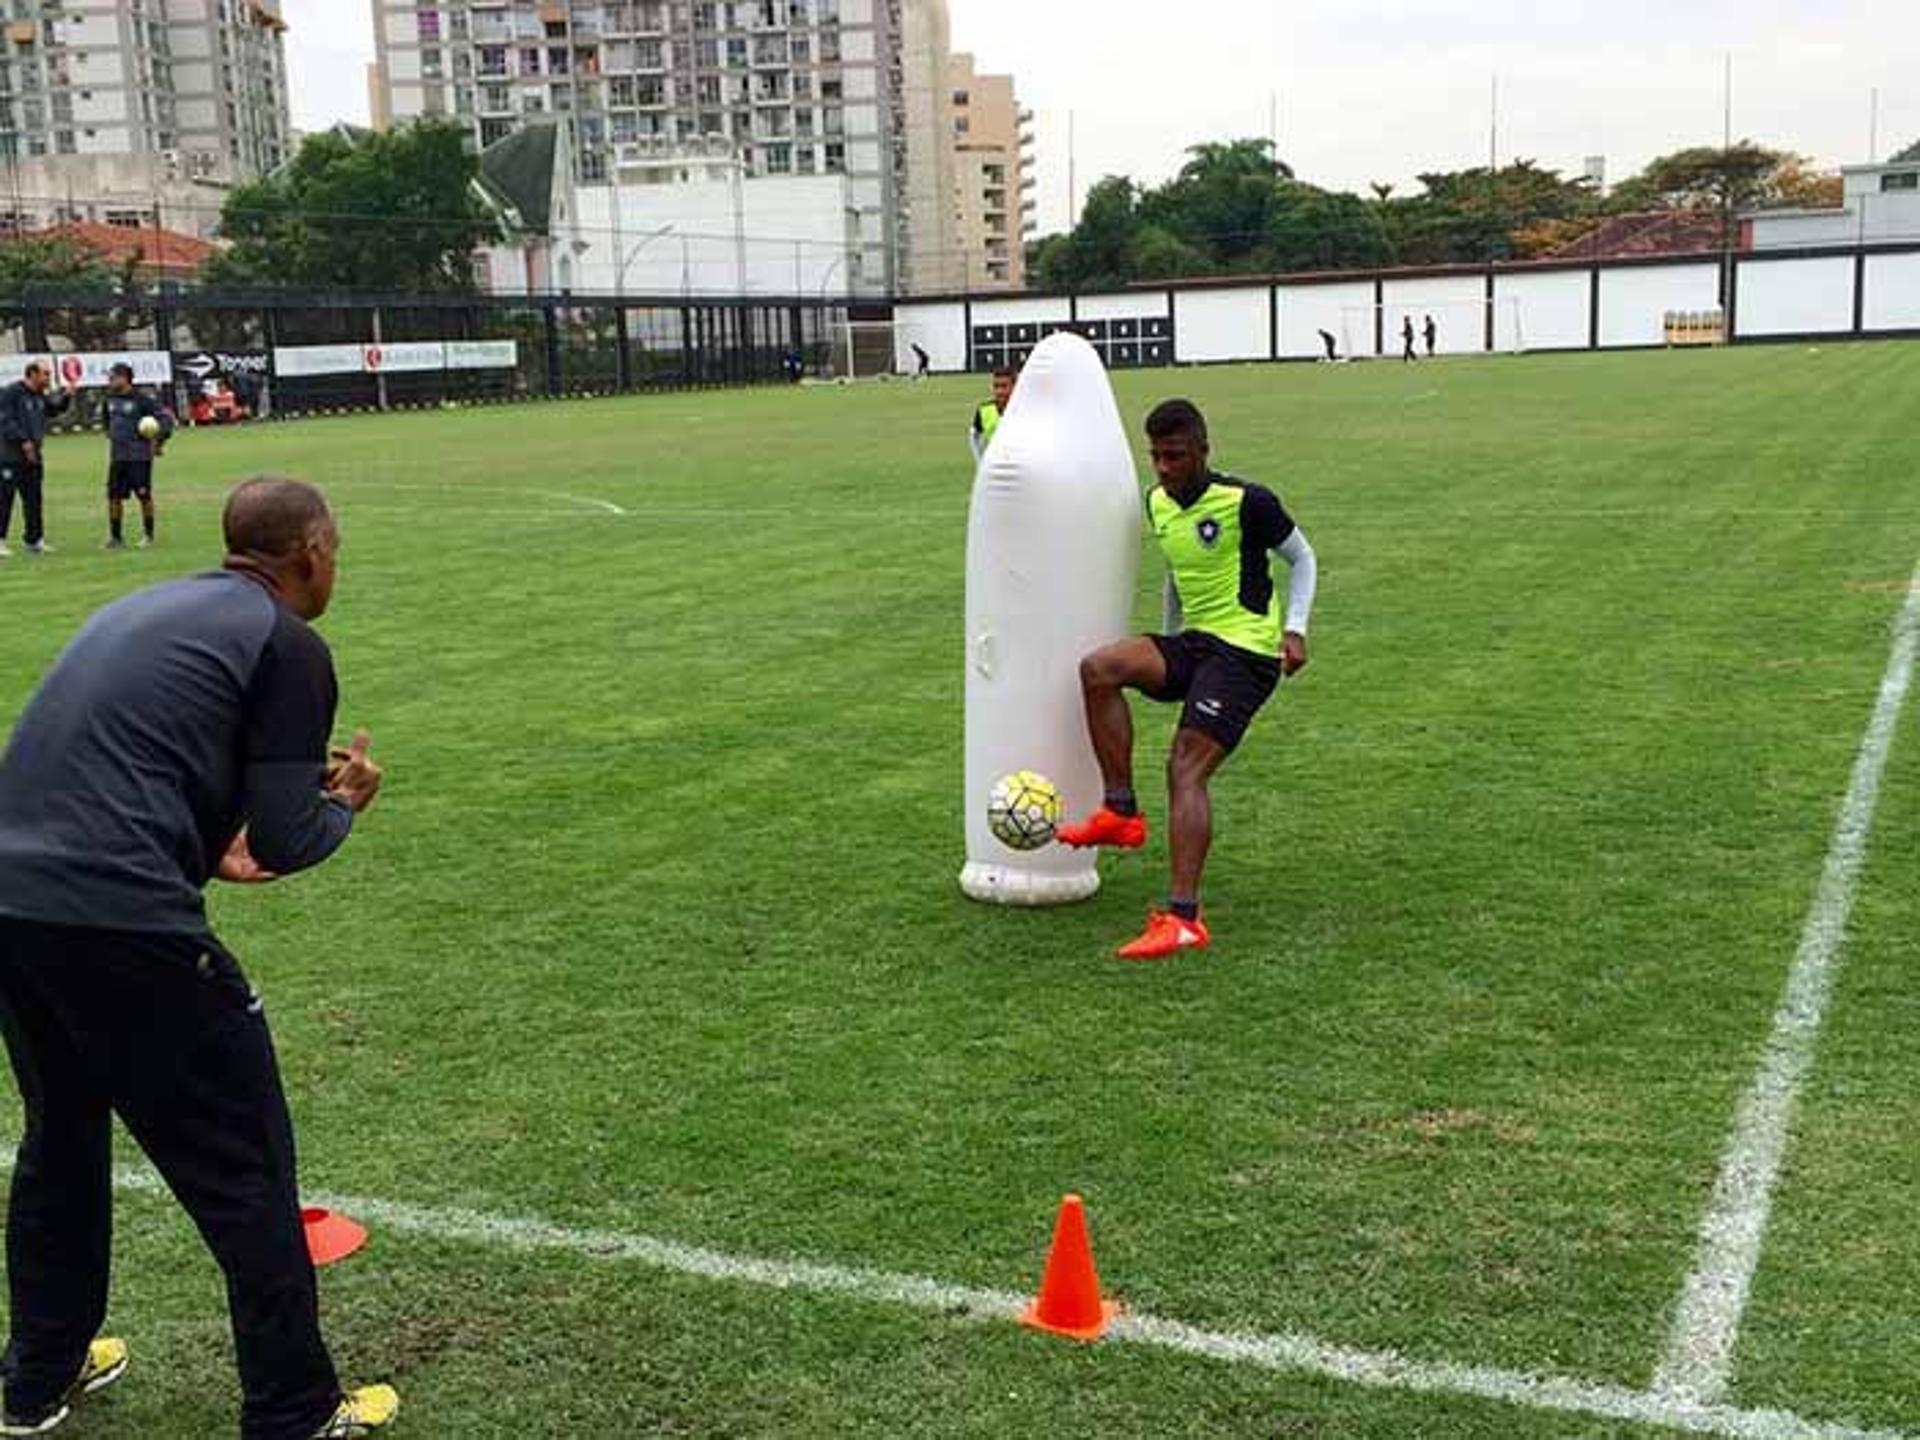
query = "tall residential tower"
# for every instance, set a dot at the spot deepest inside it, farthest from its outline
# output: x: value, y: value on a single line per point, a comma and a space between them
x: 852, y: 88
x: 135, y: 103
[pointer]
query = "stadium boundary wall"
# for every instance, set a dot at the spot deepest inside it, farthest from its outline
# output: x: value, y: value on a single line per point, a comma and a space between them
x: 1851, y: 293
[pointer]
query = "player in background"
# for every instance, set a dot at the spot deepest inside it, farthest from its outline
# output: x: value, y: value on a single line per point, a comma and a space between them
x: 1331, y: 345
x: 1218, y: 535
x: 1432, y: 333
x: 922, y: 362
x: 1406, y: 334
x: 987, y: 418
x: 24, y: 408
x: 130, y: 455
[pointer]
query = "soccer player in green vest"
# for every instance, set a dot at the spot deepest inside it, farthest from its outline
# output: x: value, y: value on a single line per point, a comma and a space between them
x: 986, y: 419
x: 1219, y: 536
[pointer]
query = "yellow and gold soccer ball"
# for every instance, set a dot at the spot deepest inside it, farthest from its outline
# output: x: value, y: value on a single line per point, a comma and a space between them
x: 1024, y: 810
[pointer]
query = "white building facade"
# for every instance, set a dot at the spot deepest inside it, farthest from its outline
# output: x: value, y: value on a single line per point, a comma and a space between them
x: 1881, y: 206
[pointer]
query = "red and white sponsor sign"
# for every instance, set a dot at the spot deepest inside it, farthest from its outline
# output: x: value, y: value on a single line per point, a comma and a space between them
x: 395, y: 357
x: 398, y: 356
x: 87, y: 370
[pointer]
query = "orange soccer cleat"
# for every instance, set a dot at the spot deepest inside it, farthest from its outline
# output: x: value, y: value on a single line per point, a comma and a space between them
x: 1167, y: 935
x: 1105, y: 827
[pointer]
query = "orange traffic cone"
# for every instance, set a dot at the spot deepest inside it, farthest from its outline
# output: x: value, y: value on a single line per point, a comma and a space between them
x: 331, y: 1237
x: 1069, y: 1302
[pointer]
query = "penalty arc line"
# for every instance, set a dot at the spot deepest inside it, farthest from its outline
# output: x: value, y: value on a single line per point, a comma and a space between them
x: 1287, y: 1354
x: 1706, y: 1326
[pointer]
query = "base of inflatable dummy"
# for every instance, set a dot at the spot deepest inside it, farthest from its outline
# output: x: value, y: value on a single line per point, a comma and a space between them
x: 1004, y: 885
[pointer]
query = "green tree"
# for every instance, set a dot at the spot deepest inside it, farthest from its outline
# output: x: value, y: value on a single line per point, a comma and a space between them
x: 1223, y: 202
x: 1726, y: 181
x: 1705, y: 177
x: 394, y: 211
x: 1912, y: 152
x: 1465, y: 216
x: 52, y: 262
x: 1096, y: 254
x: 1314, y: 229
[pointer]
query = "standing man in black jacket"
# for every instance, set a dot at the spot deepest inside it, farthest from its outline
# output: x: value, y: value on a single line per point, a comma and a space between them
x: 24, y: 407
x: 182, y: 736
x: 131, y: 453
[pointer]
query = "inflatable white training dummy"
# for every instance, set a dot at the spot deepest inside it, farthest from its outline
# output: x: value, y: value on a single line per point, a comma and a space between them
x: 1053, y: 550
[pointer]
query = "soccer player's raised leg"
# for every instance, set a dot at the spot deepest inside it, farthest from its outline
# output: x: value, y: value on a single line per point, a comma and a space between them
x: 1105, y: 677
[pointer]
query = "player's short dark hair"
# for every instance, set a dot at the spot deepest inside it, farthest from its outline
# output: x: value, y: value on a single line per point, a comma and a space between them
x: 34, y: 367
x: 1176, y: 417
x: 120, y: 367
x: 272, y: 516
x: 1005, y: 372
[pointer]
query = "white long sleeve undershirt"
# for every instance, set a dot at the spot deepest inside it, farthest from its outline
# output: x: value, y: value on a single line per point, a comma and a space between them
x: 1303, y: 580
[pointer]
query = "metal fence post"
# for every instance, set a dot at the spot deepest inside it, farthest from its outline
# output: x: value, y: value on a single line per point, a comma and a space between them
x: 550, y: 320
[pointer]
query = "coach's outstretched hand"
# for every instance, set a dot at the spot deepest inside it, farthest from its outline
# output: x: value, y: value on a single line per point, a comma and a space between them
x: 238, y: 867
x: 352, y: 776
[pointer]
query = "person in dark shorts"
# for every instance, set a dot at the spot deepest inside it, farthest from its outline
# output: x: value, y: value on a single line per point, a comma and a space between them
x: 24, y: 408
x: 1430, y: 332
x: 130, y: 455
x: 1218, y: 535
x: 1409, y: 354
x: 181, y: 737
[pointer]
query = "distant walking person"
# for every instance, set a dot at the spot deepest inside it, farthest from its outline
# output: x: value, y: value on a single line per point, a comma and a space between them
x: 181, y: 737
x: 1409, y: 355
x: 24, y: 408
x: 1331, y: 345
x: 923, y: 362
x: 1432, y: 332
x: 130, y: 454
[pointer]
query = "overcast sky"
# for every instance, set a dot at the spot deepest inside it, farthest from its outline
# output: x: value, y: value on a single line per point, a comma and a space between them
x: 1373, y: 89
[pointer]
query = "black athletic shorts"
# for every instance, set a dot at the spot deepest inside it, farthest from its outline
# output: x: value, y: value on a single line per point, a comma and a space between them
x: 1223, y: 686
x: 127, y: 478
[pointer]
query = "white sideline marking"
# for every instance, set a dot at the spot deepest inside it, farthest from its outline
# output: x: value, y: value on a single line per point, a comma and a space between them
x: 1292, y: 1354
x: 1706, y: 1323
x: 606, y: 505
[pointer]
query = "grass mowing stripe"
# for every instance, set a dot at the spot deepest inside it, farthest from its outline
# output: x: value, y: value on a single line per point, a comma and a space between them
x: 1706, y: 1324
x: 1294, y: 1354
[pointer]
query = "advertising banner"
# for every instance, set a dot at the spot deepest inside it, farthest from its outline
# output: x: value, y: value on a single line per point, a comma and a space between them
x: 482, y: 354
x: 318, y: 360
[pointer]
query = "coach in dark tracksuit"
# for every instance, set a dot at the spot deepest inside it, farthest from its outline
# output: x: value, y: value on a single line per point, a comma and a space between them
x: 24, y: 408
x: 130, y: 455
x: 181, y: 736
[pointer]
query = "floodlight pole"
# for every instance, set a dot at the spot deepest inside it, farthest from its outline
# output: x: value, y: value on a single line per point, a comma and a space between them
x: 1726, y: 193
x: 620, y: 285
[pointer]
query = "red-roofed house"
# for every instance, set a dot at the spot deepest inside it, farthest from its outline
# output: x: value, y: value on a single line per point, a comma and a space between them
x: 157, y: 254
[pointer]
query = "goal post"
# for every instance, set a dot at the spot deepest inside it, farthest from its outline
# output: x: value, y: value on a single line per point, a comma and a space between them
x: 1461, y: 327
x: 870, y: 350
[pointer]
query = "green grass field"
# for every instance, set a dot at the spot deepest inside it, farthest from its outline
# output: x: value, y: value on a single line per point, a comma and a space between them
x: 656, y: 929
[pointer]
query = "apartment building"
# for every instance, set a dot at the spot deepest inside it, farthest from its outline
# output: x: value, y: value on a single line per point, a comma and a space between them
x: 133, y: 107
x: 781, y: 89
x: 993, y: 177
